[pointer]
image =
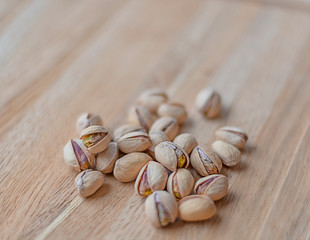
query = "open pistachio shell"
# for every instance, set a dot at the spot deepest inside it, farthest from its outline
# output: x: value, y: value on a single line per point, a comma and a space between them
x: 229, y: 154
x: 134, y: 142
x: 140, y: 115
x: 180, y: 183
x: 88, y: 182
x: 232, y: 135
x: 168, y: 125
x: 186, y: 141
x: 127, y: 128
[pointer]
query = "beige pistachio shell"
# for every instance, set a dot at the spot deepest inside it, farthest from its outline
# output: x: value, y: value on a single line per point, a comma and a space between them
x: 134, y: 142
x: 153, y: 176
x: 180, y: 183
x: 140, y: 115
x: 205, y: 161
x: 86, y: 120
x: 105, y: 160
x: 175, y: 110
x: 127, y: 168
x: 196, y: 208
x: 171, y: 155
x: 77, y: 156
x: 161, y: 208
x: 96, y: 138
x: 168, y: 125
x: 156, y: 138
x: 127, y: 128
x: 229, y: 154
x: 152, y: 98
x: 88, y: 182
x: 186, y: 141
x: 232, y: 135
x: 215, y: 186
x: 208, y: 102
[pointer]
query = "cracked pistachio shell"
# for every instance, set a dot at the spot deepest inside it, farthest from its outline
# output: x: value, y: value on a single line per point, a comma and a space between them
x: 127, y: 128
x: 208, y: 102
x: 86, y: 120
x: 161, y: 208
x: 77, y: 155
x: 153, y: 176
x: 156, y: 138
x: 229, y: 154
x: 196, y: 208
x: 152, y: 98
x: 215, y: 186
x: 88, y: 182
x: 105, y: 160
x: 180, y: 183
x: 232, y: 135
x: 141, y: 116
x: 205, y: 161
x: 127, y: 168
x: 186, y: 141
x: 175, y: 110
x: 171, y: 155
x: 96, y: 138
x: 134, y: 142
x: 168, y: 125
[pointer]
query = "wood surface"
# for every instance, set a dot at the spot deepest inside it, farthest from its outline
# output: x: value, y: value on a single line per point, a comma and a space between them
x: 59, y: 59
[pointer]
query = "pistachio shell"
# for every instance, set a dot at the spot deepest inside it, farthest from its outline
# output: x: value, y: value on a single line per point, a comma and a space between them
x: 140, y: 115
x: 153, y: 176
x: 105, y: 160
x: 88, y: 182
x: 196, y: 208
x: 126, y: 168
x: 127, y: 128
x: 134, y: 142
x: 229, y: 154
x: 180, y: 183
x: 215, y: 186
x: 161, y: 208
x: 208, y: 102
x: 232, y: 135
x: 86, y: 120
x: 168, y: 125
x: 152, y: 98
x: 175, y: 110
x: 156, y: 138
x: 205, y: 161
x: 186, y: 141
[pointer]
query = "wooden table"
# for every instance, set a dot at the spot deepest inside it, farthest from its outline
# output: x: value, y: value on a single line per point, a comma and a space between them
x: 59, y: 59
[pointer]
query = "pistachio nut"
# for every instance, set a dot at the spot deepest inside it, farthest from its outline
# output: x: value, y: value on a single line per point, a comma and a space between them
x: 196, y: 208
x: 205, y: 161
x: 229, y: 154
x: 152, y: 98
x: 127, y: 168
x: 180, y: 183
x: 168, y: 125
x: 105, y: 160
x: 232, y: 135
x: 171, y: 155
x: 86, y: 120
x: 134, y: 142
x: 140, y: 115
x: 77, y: 155
x: 175, y: 110
x: 127, y: 128
x: 161, y: 208
x: 186, y: 141
x: 156, y: 138
x: 153, y: 176
x: 88, y: 182
x: 208, y: 102
x: 215, y: 186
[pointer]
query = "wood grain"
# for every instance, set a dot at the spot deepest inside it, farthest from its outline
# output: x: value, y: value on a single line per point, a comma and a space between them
x: 61, y: 58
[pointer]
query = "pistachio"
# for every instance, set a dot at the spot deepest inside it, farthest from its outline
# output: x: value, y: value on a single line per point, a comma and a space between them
x: 232, y: 135
x: 153, y: 176
x: 105, y: 160
x: 127, y: 128
x: 140, y: 115
x: 77, y: 156
x: 180, y: 183
x: 86, y: 120
x: 88, y: 182
x: 215, y: 186
x: 171, y: 155
x: 152, y: 98
x: 134, y: 142
x: 186, y: 141
x: 161, y: 208
x: 156, y: 138
x: 229, y: 154
x: 196, y: 208
x: 205, y: 161
x: 208, y: 102
x: 168, y: 125
x: 175, y: 110
x: 126, y: 168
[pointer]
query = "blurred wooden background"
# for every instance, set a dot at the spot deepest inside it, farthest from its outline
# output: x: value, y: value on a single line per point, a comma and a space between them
x: 59, y: 59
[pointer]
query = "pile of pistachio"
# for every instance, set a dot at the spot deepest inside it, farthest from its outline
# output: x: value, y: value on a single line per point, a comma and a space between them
x: 150, y: 151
